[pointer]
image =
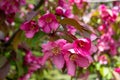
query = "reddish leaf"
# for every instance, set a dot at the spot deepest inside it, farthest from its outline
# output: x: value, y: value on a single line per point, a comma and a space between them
x: 4, y: 70
x: 72, y: 22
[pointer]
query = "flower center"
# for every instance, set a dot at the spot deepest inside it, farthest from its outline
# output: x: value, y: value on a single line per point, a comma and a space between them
x: 56, y: 51
x: 32, y: 27
x: 48, y: 20
x: 73, y: 57
x: 81, y: 44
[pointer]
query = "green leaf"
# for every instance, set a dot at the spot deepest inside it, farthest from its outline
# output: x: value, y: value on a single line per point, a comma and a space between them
x: 104, y: 71
x: 19, y: 64
x: 98, y: 66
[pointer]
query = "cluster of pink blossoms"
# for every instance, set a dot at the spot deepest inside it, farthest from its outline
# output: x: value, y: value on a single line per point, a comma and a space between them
x: 108, y: 15
x: 106, y: 42
x: 70, y: 55
x: 62, y: 54
x: 33, y: 63
x: 47, y: 23
x: 10, y: 8
x: 67, y: 54
x: 64, y: 9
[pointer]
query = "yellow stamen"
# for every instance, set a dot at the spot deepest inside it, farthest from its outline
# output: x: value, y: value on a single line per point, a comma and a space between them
x: 73, y: 57
x: 56, y: 51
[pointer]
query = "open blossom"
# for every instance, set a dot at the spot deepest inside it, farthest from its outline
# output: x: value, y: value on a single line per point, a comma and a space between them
x: 77, y: 54
x: 48, y: 22
x: 82, y: 46
x: 54, y: 51
x: 30, y: 28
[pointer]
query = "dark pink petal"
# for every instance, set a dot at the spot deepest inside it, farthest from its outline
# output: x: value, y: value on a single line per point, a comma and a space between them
x: 58, y: 60
x: 23, y: 26
x: 81, y: 44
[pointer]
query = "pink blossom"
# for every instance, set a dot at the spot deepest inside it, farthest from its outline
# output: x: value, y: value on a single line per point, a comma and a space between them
x: 106, y: 42
x: 79, y: 3
x: 77, y: 54
x: 65, y: 12
x: 107, y: 14
x: 54, y: 51
x: 63, y: 4
x: 103, y: 59
x: 82, y: 46
x: 33, y: 63
x: 117, y: 69
x: 84, y: 76
x: 10, y: 17
x: 102, y: 28
x: 48, y: 23
x: 11, y: 6
x: 64, y: 9
x: 25, y: 77
x: 71, y: 29
x: 7, y: 17
x: 31, y: 6
x: 30, y: 28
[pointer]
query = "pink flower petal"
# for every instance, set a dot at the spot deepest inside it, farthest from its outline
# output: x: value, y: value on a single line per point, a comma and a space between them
x: 68, y: 46
x: 71, y: 68
x: 82, y: 61
x: 41, y: 23
x: 54, y: 25
x: 58, y: 60
x: 29, y: 34
x: 47, y: 29
x: 45, y: 57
